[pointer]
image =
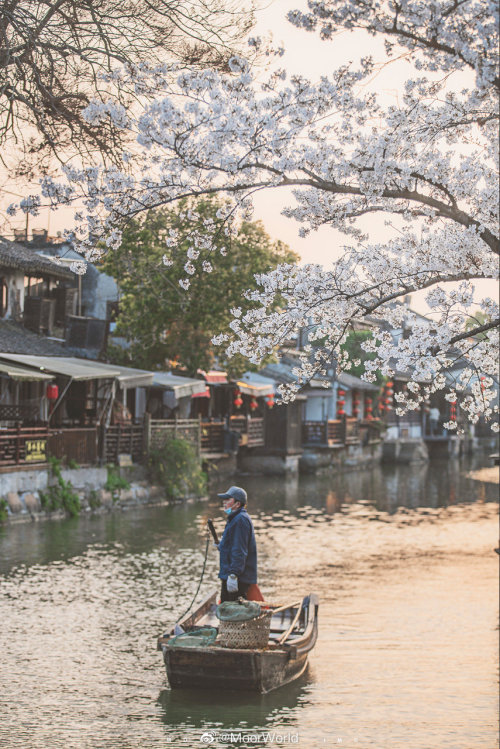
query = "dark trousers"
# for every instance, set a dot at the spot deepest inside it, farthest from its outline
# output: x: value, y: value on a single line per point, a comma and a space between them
x: 226, y: 596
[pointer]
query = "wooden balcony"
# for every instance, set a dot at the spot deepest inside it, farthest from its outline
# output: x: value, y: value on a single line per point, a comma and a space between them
x: 250, y: 428
x: 23, y: 446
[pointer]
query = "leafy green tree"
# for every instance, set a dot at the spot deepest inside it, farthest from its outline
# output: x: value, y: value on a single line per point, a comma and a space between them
x: 160, y: 321
x: 353, y: 347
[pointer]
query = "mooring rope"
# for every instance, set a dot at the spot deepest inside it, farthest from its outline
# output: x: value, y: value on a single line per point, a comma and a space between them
x: 199, y: 584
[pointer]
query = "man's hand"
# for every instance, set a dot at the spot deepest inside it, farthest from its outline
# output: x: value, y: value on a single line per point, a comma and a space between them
x: 232, y: 584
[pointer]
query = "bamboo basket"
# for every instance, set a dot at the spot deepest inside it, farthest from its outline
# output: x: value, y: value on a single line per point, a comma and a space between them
x: 253, y: 633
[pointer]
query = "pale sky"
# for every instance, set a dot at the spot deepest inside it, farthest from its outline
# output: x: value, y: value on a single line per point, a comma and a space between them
x: 308, y: 55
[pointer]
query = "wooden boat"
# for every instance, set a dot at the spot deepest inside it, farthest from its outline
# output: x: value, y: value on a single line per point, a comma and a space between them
x: 293, y: 634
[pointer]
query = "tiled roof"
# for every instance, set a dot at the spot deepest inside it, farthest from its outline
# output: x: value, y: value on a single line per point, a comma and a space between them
x: 15, y: 256
x: 355, y: 383
x: 16, y: 339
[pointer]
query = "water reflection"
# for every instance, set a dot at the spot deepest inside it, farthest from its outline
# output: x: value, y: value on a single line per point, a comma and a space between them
x: 402, y: 560
x: 187, y: 713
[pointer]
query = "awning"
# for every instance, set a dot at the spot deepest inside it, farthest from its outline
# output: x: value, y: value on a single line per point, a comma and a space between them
x: 23, y: 374
x: 181, y: 386
x: 257, y: 391
x: 134, y: 378
x: 214, y: 377
x: 77, y: 369
x: 204, y: 394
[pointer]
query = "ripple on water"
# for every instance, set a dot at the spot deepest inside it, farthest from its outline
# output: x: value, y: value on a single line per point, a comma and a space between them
x: 408, y: 619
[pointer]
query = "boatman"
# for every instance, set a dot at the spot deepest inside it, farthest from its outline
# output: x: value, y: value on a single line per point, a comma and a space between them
x: 237, y: 547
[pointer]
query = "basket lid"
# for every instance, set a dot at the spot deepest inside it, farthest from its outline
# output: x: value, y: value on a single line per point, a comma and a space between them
x: 238, y: 611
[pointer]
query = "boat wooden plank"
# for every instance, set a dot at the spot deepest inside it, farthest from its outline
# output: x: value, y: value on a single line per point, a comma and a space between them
x: 240, y: 668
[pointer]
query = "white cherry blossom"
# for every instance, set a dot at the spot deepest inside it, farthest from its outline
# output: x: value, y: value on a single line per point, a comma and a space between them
x: 428, y: 164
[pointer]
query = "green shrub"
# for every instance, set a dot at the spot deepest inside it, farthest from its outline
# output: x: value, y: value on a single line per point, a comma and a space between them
x: 61, y: 494
x: 3, y: 511
x: 115, y: 482
x: 176, y: 467
x: 93, y: 500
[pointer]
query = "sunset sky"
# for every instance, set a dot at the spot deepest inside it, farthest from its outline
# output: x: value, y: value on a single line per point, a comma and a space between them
x: 307, y: 55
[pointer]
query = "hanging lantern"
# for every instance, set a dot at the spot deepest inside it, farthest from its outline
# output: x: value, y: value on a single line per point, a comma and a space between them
x: 355, y: 403
x: 253, y: 403
x: 483, y: 386
x: 52, y: 392
x: 270, y: 400
x: 238, y: 400
x: 340, y: 403
x: 453, y: 411
x: 368, y: 409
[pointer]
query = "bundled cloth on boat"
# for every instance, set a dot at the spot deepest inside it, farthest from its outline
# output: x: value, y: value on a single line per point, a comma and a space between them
x: 201, y: 637
x: 238, y: 611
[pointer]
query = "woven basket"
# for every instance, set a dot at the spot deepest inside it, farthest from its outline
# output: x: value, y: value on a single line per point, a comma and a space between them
x: 250, y: 634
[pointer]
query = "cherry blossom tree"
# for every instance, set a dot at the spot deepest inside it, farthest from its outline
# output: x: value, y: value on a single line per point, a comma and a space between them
x: 428, y: 164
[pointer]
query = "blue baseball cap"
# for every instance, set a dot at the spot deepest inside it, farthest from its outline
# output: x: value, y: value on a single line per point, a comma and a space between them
x: 236, y: 493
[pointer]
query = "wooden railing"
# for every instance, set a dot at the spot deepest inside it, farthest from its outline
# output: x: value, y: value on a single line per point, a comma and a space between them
x: 256, y: 434
x: 23, y: 446
x: 212, y: 436
x: 20, y: 412
x: 123, y: 439
x: 331, y: 432
x: 252, y: 427
x: 78, y: 444
x: 335, y: 432
x: 159, y: 431
x: 314, y: 433
x: 351, y: 430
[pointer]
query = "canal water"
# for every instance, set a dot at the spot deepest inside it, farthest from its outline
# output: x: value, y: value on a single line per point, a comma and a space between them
x: 407, y: 657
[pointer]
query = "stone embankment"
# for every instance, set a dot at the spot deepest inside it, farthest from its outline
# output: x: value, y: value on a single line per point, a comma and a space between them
x: 22, y: 492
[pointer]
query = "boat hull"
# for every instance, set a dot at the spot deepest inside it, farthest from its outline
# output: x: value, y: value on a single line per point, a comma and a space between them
x: 231, y: 669
x: 239, y: 669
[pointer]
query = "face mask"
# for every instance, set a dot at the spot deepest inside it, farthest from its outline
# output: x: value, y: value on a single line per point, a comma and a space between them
x: 227, y: 510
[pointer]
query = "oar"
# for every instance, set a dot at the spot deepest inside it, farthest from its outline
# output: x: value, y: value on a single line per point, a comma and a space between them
x: 213, y: 532
x: 286, y: 634
x: 281, y: 608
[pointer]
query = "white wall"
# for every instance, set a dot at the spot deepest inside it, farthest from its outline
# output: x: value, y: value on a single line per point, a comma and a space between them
x: 15, y: 301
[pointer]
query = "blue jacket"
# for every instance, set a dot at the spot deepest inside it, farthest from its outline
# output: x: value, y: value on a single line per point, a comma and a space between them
x: 238, y: 550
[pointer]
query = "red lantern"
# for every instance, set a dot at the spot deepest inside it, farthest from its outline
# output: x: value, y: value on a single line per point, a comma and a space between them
x: 52, y: 392
x: 270, y: 400
x: 238, y: 400
x: 253, y: 403
x: 355, y: 403
x: 368, y: 409
x: 340, y: 403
